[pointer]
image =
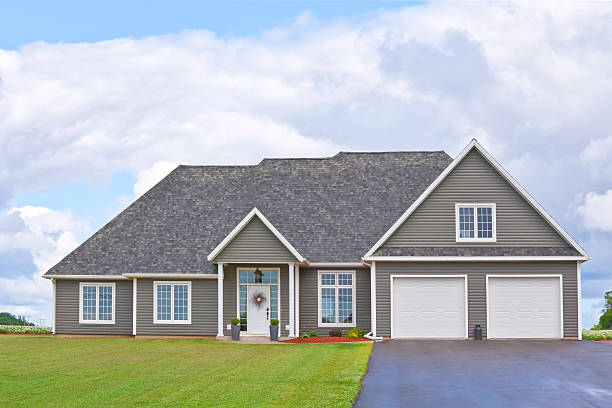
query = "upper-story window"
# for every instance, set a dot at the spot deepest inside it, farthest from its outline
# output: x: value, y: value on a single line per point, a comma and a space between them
x: 475, y: 222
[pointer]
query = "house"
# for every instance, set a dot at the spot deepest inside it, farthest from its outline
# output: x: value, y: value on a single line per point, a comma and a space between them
x: 401, y: 244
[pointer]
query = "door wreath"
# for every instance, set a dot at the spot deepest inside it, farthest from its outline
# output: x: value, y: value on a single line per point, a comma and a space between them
x: 258, y: 299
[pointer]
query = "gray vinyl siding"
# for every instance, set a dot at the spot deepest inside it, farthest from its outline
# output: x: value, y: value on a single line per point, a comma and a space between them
x: 476, y: 272
x: 255, y: 243
x: 309, y: 301
x: 474, y: 180
x: 203, y: 310
x: 67, y: 299
x: 230, y: 294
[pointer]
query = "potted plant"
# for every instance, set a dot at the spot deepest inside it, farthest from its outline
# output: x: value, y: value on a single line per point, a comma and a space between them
x: 235, y: 328
x: 274, y: 329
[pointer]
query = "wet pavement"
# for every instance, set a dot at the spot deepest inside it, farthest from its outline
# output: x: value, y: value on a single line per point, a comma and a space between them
x: 508, y: 373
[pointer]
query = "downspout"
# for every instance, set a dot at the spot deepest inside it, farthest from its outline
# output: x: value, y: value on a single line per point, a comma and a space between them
x: 372, y: 335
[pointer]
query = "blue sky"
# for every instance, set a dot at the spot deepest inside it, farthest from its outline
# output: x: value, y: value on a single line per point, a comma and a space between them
x: 98, y: 101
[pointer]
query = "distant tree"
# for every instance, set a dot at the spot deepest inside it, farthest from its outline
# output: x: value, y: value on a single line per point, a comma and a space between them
x: 10, y: 319
x: 605, y: 321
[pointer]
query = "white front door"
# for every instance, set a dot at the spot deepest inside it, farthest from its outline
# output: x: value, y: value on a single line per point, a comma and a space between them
x: 258, y: 301
x: 525, y: 307
x: 429, y: 307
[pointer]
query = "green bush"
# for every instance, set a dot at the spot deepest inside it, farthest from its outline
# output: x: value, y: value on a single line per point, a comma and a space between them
x: 597, y: 334
x: 235, y: 321
x: 355, y: 332
x: 25, y: 330
x: 309, y: 334
x: 313, y: 333
x: 274, y: 322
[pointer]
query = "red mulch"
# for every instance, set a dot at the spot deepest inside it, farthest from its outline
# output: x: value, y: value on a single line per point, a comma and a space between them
x: 326, y: 339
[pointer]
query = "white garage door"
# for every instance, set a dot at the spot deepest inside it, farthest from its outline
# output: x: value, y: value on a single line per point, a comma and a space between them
x: 429, y: 307
x: 524, y: 307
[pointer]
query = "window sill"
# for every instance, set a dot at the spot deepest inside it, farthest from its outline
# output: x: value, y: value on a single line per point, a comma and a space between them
x: 96, y: 322
x: 476, y: 240
x: 337, y: 324
x: 184, y: 322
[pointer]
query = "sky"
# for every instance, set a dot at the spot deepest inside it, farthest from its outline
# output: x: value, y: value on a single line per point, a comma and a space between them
x: 100, y: 101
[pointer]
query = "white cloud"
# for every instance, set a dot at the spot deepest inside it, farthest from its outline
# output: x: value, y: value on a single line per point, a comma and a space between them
x: 596, y: 211
x: 48, y: 235
x: 147, y: 178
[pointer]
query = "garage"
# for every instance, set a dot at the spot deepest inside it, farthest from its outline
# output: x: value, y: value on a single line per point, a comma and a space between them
x: 524, y: 307
x: 432, y: 306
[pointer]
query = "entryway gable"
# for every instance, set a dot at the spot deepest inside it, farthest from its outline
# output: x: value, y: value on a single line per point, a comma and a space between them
x: 255, y: 240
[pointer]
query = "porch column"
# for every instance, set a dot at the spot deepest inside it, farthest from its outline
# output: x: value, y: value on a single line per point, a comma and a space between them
x: 291, y: 300
x: 373, y: 298
x: 134, y: 304
x: 297, y: 301
x: 220, y: 300
x: 53, y: 315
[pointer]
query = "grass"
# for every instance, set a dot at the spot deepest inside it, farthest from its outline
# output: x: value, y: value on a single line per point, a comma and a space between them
x: 77, y: 372
x: 597, y: 334
x: 24, y: 329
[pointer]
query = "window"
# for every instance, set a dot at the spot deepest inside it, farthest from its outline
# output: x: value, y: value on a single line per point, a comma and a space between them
x: 97, y: 303
x: 172, y: 302
x: 475, y: 222
x: 337, y: 298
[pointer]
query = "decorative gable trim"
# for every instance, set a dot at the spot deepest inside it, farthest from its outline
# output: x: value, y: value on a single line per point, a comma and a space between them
x: 254, y: 213
x: 474, y: 145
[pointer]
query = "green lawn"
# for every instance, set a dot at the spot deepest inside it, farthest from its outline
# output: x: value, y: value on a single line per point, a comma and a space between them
x: 78, y: 372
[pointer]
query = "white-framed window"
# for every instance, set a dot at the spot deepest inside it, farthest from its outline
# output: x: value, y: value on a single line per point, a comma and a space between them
x: 172, y: 302
x: 96, y: 303
x: 475, y: 222
x: 336, y: 293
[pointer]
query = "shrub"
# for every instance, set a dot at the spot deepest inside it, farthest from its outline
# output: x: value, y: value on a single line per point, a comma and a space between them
x: 313, y: 334
x: 335, y: 333
x: 355, y: 332
x: 597, y: 334
x: 25, y: 330
x: 274, y: 322
x: 235, y: 321
x: 304, y: 335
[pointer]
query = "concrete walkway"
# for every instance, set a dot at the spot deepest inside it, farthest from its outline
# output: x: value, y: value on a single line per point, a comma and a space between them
x: 502, y: 373
x: 253, y: 340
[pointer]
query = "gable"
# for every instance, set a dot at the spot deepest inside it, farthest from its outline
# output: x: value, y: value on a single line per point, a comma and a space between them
x: 473, y: 180
x: 255, y: 243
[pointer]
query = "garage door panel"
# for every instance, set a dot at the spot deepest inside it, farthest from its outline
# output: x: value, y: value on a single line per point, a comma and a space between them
x: 429, y: 307
x: 524, y: 307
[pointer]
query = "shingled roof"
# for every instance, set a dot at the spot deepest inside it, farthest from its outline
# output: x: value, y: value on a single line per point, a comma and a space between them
x: 330, y: 209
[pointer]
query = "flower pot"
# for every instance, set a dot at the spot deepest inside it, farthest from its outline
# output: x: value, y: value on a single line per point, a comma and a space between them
x: 274, y: 333
x: 235, y: 332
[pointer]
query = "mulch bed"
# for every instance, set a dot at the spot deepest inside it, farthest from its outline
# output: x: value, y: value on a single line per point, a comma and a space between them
x: 326, y: 339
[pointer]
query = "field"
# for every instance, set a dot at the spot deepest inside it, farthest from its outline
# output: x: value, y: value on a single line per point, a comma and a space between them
x: 77, y: 372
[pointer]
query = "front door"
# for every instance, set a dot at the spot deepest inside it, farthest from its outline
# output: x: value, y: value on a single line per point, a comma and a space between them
x: 258, y: 301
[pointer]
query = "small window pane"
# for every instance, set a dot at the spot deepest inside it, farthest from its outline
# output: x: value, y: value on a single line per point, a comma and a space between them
x: 270, y: 277
x: 105, y: 302
x: 247, y: 276
x: 328, y: 305
x: 345, y: 305
x: 345, y: 279
x: 466, y: 222
x: 243, y: 307
x: 485, y: 222
x: 328, y: 279
x: 181, y: 302
x: 89, y: 303
x: 164, y: 307
x: 274, y: 302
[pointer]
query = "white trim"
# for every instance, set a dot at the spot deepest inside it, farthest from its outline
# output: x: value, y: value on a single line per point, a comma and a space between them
x: 474, y: 258
x: 474, y: 144
x: 475, y: 206
x: 53, y: 282
x: 254, y: 212
x: 220, y: 278
x: 337, y: 265
x: 172, y: 321
x: 172, y: 275
x: 297, y: 301
x: 291, y: 300
x: 336, y: 286
x: 238, y: 284
x: 86, y: 277
x: 579, y: 280
x: 464, y: 276
x: 97, y: 285
x: 134, y: 303
x: 373, y: 299
x: 540, y: 275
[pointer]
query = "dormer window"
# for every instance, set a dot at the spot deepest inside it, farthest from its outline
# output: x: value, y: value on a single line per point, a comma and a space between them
x: 475, y: 222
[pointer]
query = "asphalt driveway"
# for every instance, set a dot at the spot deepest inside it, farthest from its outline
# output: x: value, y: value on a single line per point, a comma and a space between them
x: 488, y: 374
